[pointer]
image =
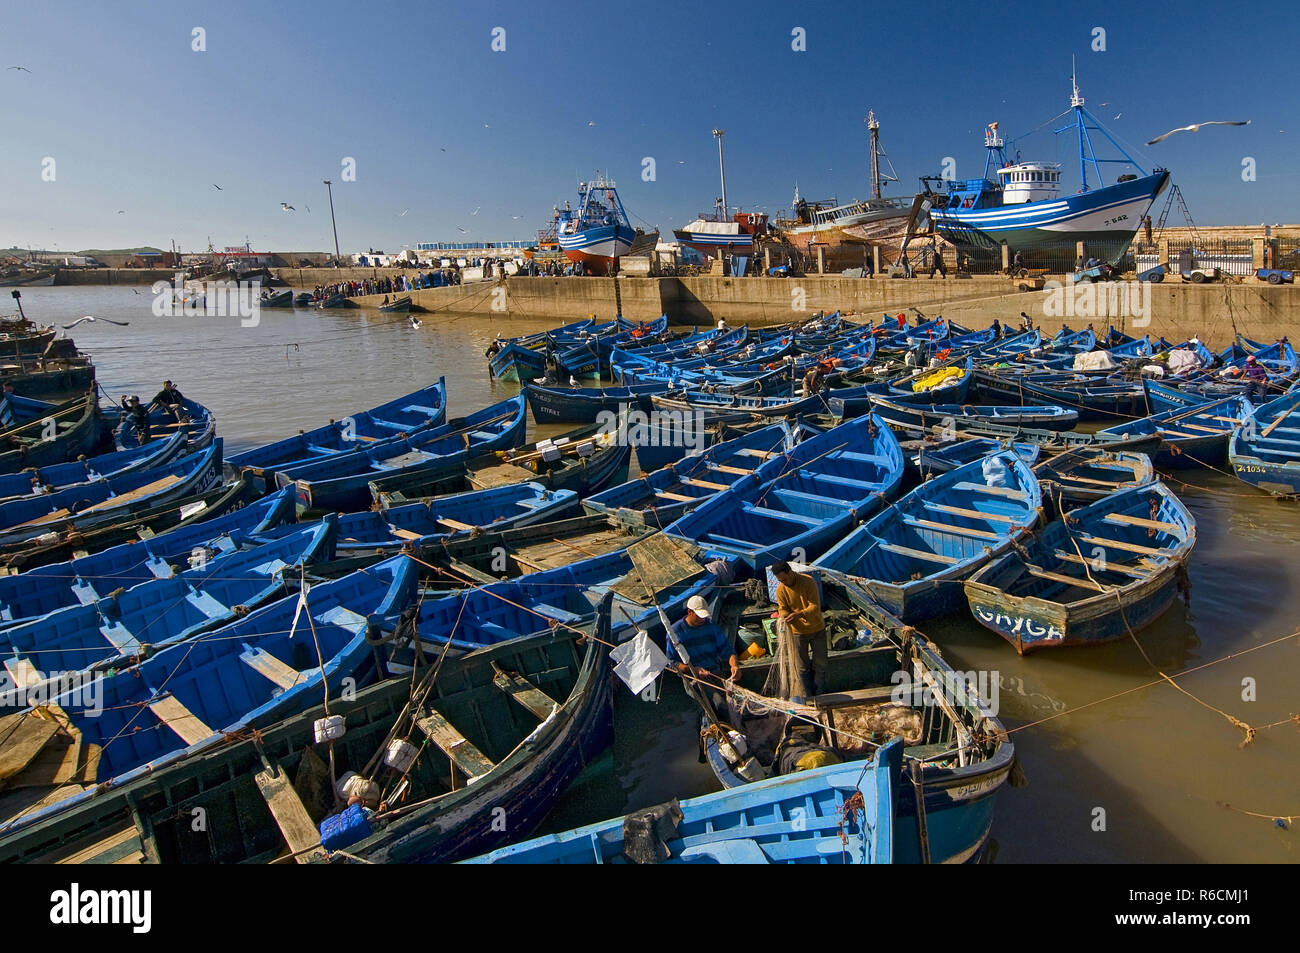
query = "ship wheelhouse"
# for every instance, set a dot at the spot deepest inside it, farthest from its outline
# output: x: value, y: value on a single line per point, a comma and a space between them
x: 1030, y: 182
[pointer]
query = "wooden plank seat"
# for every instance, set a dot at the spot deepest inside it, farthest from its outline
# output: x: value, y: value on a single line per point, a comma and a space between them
x: 173, y: 713
x: 264, y: 663
x: 972, y: 514
x: 919, y: 554
x: 1122, y: 544
x: 1006, y: 491
x: 290, y: 815
x: 1125, y: 519
x: 525, y: 693
x: 471, y: 762
x: 948, y: 528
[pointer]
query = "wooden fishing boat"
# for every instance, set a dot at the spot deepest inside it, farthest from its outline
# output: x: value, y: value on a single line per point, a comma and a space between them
x: 1162, y: 397
x: 584, y: 405
x: 1265, y: 450
x: 801, y: 501
x: 957, y: 756
x: 140, y: 524
x: 949, y: 456
x: 1106, y: 570
x: 1092, y: 473
x: 192, y: 419
x: 190, y: 698
x: 62, y: 432
x: 1053, y: 441
x: 534, y: 712
x: 409, y: 414
x: 421, y: 524
x: 45, y: 588
x: 276, y: 299
x: 400, y: 306
x: 732, y: 407
x: 517, y: 362
x: 913, y: 556
x: 342, y: 482
x: 304, y: 298
x: 907, y: 416
x: 588, y: 357
x: 58, y: 380
x: 89, y: 505
x: 334, y: 301
x: 1191, y: 435
x: 947, y: 385
x: 59, y: 475
x: 583, y: 460
x: 1093, y: 400
x: 489, y: 556
x: 123, y: 627
x: 565, y: 597
x: 659, y: 497
x: 847, y: 813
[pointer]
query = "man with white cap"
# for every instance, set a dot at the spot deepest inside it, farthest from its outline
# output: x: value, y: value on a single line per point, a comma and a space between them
x: 703, y: 641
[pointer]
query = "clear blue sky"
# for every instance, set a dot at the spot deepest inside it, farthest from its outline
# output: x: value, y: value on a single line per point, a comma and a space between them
x: 137, y: 121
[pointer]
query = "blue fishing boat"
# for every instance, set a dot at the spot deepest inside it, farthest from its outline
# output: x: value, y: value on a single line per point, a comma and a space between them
x: 584, y: 405
x: 44, y: 589
x: 566, y: 597
x: 1265, y: 450
x: 846, y: 813
x: 588, y: 358
x: 801, y: 501
x: 597, y: 233
x: 58, y: 475
x: 1162, y: 397
x: 660, y: 496
x: 949, y: 456
x: 88, y: 505
x: 1191, y: 435
x: 126, y: 626
x: 917, y: 416
x: 913, y: 556
x: 342, y: 481
x: 1094, y: 400
x: 409, y: 414
x: 269, y: 665
x: 1087, y: 474
x: 192, y: 419
x: 722, y: 408
x: 420, y: 524
x: 276, y: 299
x: 27, y: 440
x: 946, y: 385
x: 1024, y: 209
x: 888, y: 681
x: 517, y: 362
x: 1106, y: 570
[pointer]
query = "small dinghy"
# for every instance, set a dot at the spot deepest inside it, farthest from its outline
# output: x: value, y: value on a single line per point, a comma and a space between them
x: 1102, y: 571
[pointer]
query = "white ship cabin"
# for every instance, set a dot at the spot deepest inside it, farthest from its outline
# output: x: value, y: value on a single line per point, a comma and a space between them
x: 1030, y: 182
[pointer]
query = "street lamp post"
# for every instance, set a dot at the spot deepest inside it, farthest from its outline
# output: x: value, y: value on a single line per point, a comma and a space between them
x: 718, y: 134
x: 330, y: 186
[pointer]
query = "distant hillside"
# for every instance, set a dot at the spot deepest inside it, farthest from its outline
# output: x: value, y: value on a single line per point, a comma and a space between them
x: 94, y: 252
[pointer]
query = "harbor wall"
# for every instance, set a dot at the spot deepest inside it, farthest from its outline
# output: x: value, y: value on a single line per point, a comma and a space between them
x: 1214, y: 312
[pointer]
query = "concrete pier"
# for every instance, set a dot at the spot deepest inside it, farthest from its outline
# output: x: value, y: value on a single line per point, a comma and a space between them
x: 1173, y: 309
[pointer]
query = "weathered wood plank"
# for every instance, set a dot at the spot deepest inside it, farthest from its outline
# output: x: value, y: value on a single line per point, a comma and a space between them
x: 173, y: 713
x: 525, y: 693
x: 471, y: 762
x: 296, y: 825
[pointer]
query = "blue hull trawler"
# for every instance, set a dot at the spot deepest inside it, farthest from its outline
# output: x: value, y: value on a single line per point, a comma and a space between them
x: 1020, y: 205
x: 597, y: 233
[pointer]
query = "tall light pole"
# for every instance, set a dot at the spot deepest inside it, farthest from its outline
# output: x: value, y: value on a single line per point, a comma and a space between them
x: 330, y: 186
x: 718, y: 134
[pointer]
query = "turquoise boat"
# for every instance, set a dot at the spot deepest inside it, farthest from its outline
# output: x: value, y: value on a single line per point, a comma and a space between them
x: 841, y: 814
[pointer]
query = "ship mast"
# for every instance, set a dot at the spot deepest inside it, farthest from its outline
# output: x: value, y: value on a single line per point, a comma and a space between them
x: 722, y: 169
x: 874, y: 129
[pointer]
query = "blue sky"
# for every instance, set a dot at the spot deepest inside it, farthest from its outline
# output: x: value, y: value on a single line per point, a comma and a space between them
x: 137, y: 121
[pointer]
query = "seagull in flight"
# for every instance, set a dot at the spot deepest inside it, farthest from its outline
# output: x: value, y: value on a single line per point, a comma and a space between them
x: 121, y: 211
x: 1196, y: 126
x: 463, y: 231
x: 415, y: 322
x: 402, y: 212
x: 91, y: 317
x: 285, y: 206
x: 308, y: 208
x: 476, y: 208
x: 217, y: 187
x: 591, y: 122
x: 23, y: 68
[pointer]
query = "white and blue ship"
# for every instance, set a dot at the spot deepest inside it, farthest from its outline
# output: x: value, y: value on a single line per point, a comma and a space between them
x: 1019, y: 203
x: 596, y: 233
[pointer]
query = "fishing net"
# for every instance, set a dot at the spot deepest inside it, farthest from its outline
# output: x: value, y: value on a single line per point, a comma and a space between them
x: 783, y: 677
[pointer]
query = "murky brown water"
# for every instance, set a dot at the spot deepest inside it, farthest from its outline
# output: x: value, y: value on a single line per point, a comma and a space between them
x: 1157, y: 762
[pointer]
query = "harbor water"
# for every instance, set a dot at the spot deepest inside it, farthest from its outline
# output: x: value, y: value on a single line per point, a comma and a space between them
x: 1121, y: 766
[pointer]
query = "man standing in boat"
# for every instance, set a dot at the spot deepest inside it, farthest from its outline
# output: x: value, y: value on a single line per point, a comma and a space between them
x: 703, y: 642
x: 799, y: 606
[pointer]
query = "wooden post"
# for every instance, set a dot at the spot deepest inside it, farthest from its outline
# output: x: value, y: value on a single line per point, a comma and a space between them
x: 767, y: 260
x: 1162, y: 251
x: 1081, y: 251
x: 821, y: 259
x: 1257, y: 251
x: 875, y: 261
x: 1006, y: 257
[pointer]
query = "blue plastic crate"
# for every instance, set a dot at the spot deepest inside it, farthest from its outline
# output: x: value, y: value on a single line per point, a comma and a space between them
x: 345, y: 829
